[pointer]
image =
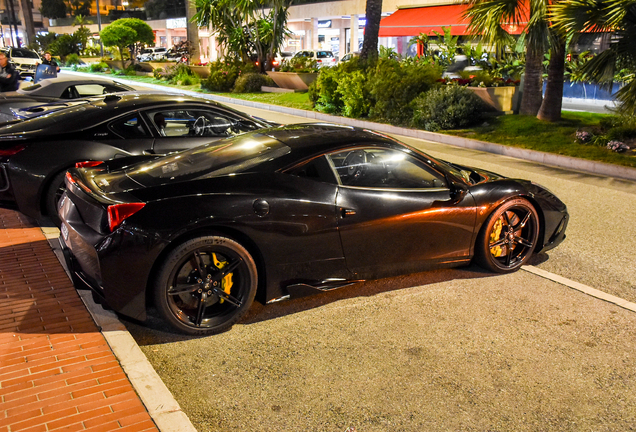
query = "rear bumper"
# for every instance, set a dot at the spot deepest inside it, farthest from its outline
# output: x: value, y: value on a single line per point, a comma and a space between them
x: 115, y: 266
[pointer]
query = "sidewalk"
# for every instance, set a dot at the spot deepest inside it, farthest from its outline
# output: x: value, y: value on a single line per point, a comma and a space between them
x: 57, y: 372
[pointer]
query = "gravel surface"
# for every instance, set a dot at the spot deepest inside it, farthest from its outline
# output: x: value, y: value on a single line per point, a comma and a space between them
x: 444, y: 350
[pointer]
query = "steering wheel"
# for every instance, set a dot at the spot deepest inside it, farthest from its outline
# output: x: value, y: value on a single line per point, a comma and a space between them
x: 355, y: 162
x: 199, y: 126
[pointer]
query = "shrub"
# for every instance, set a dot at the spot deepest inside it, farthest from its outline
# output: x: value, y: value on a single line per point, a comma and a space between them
x: 251, y: 83
x: 224, y: 73
x: 354, y: 97
x: 299, y: 64
x: 393, y: 85
x: 73, y: 59
x: 447, y: 107
x: 98, y: 67
x: 325, y: 90
x: 179, y: 74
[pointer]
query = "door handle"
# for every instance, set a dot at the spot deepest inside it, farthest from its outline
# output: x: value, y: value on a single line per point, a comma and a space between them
x: 344, y: 212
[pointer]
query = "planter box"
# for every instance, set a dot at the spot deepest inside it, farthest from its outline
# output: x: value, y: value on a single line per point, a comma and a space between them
x: 202, y: 71
x: 293, y: 80
x: 500, y: 98
x: 117, y: 64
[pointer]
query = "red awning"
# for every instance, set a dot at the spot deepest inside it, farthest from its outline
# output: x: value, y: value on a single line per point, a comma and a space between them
x: 413, y: 21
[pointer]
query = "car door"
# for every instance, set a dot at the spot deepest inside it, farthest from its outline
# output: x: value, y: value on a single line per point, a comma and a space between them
x: 182, y: 128
x: 396, y: 213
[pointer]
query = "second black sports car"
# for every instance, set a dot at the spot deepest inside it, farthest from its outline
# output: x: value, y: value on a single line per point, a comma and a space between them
x: 285, y: 210
x: 35, y: 153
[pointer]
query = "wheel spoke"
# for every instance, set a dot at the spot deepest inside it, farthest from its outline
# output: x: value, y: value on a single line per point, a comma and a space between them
x: 182, y: 289
x: 506, y: 218
x: 523, y: 222
x: 523, y: 242
x: 225, y: 296
x: 201, y: 309
x: 197, y: 262
x: 499, y: 242
x: 229, y: 268
x: 509, y: 255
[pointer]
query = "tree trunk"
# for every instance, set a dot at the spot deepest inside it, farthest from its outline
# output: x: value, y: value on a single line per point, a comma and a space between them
x: 371, y: 30
x: 27, y: 14
x: 553, y: 100
x: 532, y: 84
x: 192, y: 33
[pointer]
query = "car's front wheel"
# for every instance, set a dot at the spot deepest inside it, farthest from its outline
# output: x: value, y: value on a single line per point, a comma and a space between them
x: 508, y: 237
x: 206, y: 285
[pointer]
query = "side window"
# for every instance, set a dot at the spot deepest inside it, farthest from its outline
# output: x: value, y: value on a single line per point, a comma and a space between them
x: 197, y: 122
x: 130, y: 126
x: 383, y: 168
x: 316, y: 169
x: 69, y: 93
x: 84, y: 90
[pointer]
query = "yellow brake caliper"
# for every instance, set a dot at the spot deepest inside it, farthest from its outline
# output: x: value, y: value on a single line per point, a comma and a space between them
x: 226, y: 282
x: 494, y: 236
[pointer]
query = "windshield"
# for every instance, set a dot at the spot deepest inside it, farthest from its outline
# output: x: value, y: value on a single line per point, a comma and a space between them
x: 224, y: 157
x: 23, y: 53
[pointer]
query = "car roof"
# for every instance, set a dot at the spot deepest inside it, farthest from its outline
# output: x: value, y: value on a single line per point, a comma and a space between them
x: 53, y: 87
x: 103, y: 108
x: 306, y: 139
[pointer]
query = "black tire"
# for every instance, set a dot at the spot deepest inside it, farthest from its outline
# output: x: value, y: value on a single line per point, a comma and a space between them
x: 195, y: 293
x: 53, y: 195
x: 508, y: 237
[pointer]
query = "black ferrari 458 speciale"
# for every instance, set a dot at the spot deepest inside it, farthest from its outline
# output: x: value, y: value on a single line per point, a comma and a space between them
x: 286, y: 210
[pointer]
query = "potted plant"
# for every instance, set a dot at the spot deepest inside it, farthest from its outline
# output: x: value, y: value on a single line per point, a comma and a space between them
x: 296, y: 74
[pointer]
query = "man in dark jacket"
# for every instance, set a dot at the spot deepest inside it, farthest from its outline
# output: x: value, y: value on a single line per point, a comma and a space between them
x: 9, y: 77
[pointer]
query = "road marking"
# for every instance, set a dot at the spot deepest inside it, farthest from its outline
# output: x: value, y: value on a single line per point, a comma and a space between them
x: 582, y: 288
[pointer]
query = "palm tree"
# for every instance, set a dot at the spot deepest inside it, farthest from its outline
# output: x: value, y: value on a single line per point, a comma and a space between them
x: 617, y: 16
x: 490, y: 18
x: 371, y: 30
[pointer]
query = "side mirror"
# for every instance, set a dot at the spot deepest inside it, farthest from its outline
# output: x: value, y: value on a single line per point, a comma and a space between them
x: 457, y: 192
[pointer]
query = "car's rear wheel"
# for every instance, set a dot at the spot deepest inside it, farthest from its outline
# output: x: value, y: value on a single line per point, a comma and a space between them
x: 53, y: 195
x: 206, y: 285
x: 508, y: 237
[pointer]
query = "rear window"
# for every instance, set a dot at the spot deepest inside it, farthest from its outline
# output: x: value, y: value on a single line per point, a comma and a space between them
x: 324, y: 54
x: 224, y: 157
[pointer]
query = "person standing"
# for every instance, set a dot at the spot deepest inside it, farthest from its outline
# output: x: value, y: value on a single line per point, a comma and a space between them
x: 49, y: 61
x: 9, y: 77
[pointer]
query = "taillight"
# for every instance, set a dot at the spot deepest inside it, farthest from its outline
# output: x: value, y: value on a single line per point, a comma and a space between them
x: 117, y: 213
x: 11, y: 151
x: 275, y: 63
x: 87, y: 164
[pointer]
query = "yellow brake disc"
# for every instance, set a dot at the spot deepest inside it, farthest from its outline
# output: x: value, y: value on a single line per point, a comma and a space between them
x: 226, y: 282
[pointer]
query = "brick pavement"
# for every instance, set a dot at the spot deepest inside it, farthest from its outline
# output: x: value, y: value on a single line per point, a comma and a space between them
x: 57, y: 373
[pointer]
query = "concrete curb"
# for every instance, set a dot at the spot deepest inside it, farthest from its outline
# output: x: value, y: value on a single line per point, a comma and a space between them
x: 158, y: 400
x: 586, y: 166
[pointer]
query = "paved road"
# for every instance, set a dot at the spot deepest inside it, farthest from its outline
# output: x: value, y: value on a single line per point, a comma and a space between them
x: 446, y: 350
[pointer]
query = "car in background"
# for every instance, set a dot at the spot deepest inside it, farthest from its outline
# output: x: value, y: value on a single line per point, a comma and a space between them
x: 24, y: 60
x: 348, y: 57
x: 152, y: 54
x: 62, y: 88
x: 35, y: 153
x: 286, y: 212
x: 323, y: 57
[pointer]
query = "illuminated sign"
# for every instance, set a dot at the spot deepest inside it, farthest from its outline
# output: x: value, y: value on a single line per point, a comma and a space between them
x: 324, y: 24
x: 174, y: 23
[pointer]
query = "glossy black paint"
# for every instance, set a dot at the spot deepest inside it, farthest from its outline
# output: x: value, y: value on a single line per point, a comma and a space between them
x: 57, y: 89
x: 302, y: 231
x: 55, y: 142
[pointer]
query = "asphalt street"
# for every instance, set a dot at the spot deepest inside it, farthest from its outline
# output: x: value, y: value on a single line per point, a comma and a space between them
x: 453, y: 349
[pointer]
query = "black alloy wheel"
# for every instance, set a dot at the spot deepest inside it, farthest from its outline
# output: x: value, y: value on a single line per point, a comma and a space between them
x: 508, y: 237
x: 205, y: 285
